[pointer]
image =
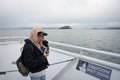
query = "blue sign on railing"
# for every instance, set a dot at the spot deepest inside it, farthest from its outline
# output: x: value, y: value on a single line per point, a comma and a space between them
x: 94, y: 70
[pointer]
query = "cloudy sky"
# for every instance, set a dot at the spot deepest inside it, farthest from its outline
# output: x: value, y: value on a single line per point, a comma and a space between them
x: 56, y: 13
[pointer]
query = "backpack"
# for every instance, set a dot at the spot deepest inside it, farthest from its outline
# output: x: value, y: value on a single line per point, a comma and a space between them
x: 21, y: 68
x: 24, y: 71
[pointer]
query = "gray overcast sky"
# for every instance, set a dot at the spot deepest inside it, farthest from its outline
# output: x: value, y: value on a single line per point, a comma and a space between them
x: 56, y: 13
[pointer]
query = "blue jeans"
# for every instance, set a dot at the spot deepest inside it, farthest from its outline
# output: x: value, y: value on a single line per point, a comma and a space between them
x: 38, y: 78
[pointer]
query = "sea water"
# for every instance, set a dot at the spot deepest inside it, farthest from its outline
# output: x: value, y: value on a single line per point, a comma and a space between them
x: 103, y: 39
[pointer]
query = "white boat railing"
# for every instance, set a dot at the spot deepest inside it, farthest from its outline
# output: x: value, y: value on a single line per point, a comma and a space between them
x: 81, y: 56
x: 87, y: 49
x: 11, y: 40
x: 12, y: 37
x: 89, y: 59
x: 71, y: 46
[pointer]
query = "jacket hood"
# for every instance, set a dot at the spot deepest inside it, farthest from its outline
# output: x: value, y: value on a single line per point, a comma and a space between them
x: 28, y: 41
x: 34, y: 32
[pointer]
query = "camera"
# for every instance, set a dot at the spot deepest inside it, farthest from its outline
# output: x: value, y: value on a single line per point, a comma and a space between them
x: 46, y: 49
x: 45, y: 45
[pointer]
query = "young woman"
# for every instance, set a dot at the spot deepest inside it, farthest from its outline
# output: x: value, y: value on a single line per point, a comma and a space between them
x: 35, y: 52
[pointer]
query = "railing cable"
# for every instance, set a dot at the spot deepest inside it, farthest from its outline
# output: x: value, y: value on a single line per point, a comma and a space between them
x: 61, y: 62
x: 4, y: 72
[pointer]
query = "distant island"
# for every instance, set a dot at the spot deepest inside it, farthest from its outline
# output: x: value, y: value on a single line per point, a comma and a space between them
x: 113, y: 28
x: 65, y: 27
x: 108, y: 28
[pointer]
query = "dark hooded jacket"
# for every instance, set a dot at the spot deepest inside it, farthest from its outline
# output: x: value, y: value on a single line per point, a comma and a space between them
x: 33, y: 58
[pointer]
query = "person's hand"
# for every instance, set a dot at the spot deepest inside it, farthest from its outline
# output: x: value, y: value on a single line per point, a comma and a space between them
x: 46, y: 54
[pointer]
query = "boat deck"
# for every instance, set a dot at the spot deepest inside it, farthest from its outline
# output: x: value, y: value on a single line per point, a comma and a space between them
x: 63, y: 67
